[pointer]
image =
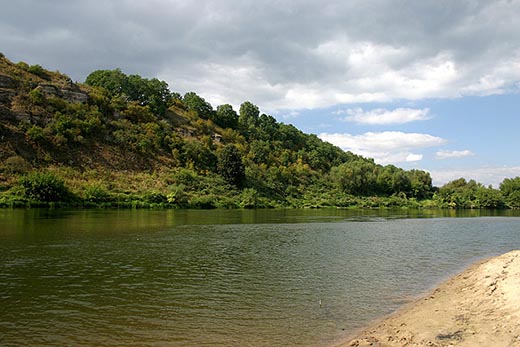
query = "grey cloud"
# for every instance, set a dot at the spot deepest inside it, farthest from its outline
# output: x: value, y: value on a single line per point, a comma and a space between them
x: 272, y: 45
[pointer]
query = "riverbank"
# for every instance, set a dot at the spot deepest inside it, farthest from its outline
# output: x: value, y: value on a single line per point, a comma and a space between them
x: 479, y: 307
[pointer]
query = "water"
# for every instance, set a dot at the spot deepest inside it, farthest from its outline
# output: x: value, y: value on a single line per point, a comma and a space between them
x: 225, y: 278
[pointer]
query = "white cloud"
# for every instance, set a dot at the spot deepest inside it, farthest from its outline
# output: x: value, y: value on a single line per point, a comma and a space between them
x: 385, y: 147
x: 414, y: 157
x: 453, y: 154
x: 485, y: 175
x: 265, y: 51
x: 383, y: 116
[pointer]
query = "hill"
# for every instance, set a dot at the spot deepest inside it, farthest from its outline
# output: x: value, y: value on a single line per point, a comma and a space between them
x: 126, y: 141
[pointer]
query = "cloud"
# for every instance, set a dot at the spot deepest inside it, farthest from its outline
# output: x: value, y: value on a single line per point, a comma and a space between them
x: 385, y: 147
x: 414, y: 157
x: 266, y: 51
x: 381, y: 116
x: 485, y: 175
x: 453, y: 154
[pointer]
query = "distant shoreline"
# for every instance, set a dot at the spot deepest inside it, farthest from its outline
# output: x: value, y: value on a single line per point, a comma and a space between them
x: 478, y: 307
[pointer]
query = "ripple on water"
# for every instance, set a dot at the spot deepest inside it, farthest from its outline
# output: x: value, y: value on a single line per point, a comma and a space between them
x: 303, y: 284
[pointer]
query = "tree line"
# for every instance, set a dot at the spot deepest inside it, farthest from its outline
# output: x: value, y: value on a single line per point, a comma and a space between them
x: 216, y: 157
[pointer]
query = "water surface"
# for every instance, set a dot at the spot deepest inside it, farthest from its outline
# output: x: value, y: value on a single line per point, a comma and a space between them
x: 225, y: 278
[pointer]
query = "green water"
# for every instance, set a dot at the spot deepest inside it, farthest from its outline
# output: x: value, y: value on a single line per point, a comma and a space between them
x: 225, y: 278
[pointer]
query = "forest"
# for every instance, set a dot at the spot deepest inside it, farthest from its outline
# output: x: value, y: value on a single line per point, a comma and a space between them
x: 124, y: 141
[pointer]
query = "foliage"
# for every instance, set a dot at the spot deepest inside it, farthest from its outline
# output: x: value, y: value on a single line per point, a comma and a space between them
x: 230, y: 166
x: 96, y: 193
x: 248, y: 118
x: 16, y: 165
x: 226, y: 117
x: 460, y: 193
x: 133, y: 143
x: 37, y: 70
x: 44, y: 186
x: 510, y: 189
x: 146, y: 92
x: 198, y: 105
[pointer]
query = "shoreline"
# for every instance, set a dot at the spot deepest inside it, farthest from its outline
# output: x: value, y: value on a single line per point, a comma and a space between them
x: 478, y: 307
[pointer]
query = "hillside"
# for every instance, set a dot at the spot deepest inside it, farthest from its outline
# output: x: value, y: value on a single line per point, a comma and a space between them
x: 125, y: 141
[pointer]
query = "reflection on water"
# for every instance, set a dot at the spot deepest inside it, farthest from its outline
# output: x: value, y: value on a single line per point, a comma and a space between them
x: 225, y: 278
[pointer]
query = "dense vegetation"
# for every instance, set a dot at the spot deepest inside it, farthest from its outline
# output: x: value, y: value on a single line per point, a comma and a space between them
x: 126, y: 141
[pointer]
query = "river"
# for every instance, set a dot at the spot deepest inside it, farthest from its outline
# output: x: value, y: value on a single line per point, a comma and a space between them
x: 226, y: 278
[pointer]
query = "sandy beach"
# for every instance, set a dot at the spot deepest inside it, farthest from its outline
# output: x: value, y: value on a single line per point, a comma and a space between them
x: 479, y: 307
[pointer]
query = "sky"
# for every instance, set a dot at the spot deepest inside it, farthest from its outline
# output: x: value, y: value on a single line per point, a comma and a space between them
x: 430, y: 84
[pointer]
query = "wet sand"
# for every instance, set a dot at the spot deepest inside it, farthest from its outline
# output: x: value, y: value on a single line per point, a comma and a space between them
x: 479, y: 307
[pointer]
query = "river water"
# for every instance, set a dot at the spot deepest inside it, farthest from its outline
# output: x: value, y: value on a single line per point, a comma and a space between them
x: 226, y: 278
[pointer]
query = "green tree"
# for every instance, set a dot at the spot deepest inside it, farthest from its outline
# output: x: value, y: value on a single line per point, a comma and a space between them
x: 510, y: 188
x: 198, y: 155
x: 249, y: 116
x: 356, y: 178
x: 226, y: 117
x: 400, y: 182
x: 146, y: 92
x: 421, y: 183
x: 488, y: 198
x: 200, y: 106
x: 115, y: 81
x: 230, y: 166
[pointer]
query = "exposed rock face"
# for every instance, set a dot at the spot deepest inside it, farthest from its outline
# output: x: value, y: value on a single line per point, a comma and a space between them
x: 6, y: 96
x: 7, y: 89
x: 7, y: 82
x: 74, y: 96
x: 70, y: 95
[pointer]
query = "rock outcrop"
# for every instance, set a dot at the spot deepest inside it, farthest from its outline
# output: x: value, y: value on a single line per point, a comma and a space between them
x: 71, y: 94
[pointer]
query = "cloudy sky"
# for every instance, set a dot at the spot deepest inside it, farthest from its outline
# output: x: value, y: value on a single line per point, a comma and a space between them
x: 430, y: 84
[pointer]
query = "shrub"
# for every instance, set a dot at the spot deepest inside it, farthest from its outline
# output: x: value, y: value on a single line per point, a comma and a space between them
x: 249, y: 198
x: 17, y: 164
x: 177, y: 195
x: 23, y: 65
x: 155, y: 198
x: 204, y: 202
x: 36, y: 96
x: 44, y: 186
x: 35, y: 133
x: 96, y: 193
x: 37, y: 70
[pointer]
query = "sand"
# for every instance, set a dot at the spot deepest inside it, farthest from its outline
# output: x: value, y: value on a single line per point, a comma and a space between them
x: 479, y: 307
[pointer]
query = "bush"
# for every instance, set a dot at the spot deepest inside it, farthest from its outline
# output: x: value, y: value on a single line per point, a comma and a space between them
x: 155, y: 198
x: 37, y: 70
x: 204, y: 202
x: 96, y: 193
x: 249, y: 198
x: 35, y: 133
x: 44, y: 186
x: 177, y: 195
x: 17, y: 164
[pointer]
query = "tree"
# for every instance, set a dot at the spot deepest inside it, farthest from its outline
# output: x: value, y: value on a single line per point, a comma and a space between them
x: 226, y: 117
x: 421, y: 183
x: 198, y: 105
x: 115, y: 81
x: 249, y: 116
x: 356, y: 178
x: 198, y: 155
x: 146, y: 92
x: 400, y: 182
x: 510, y: 189
x: 230, y: 166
